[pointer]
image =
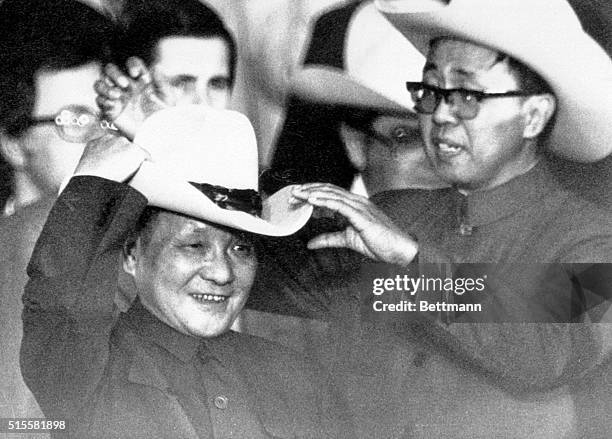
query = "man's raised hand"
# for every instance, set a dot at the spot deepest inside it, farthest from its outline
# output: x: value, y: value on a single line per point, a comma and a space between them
x: 127, y: 100
x: 370, y: 231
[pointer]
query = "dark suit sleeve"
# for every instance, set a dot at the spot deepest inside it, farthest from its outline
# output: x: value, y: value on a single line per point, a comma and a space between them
x: 68, y: 300
x: 531, y: 335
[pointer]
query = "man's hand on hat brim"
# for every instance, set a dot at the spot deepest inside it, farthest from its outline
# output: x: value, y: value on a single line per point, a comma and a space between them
x: 370, y: 231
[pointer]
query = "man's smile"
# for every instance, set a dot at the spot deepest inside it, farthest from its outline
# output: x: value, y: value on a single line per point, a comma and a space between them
x: 209, y: 298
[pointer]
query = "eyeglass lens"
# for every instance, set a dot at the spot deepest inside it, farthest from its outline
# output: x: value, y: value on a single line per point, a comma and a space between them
x: 79, y: 124
x: 428, y: 99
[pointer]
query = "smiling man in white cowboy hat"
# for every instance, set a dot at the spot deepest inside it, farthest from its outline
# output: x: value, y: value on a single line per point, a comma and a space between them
x: 185, y: 218
x: 503, y: 82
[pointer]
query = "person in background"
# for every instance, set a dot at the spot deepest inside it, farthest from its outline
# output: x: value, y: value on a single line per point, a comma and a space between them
x: 308, y: 146
x: 181, y: 51
x: 486, y: 114
x: 380, y: 137
x: 52, y: 53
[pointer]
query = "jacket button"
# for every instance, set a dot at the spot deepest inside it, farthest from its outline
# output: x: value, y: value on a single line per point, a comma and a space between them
x: 465, y: 230
x: 221, y: 402
x: 419, y: 359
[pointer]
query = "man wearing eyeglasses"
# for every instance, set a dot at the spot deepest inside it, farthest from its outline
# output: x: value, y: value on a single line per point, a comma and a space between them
x: 53, y: 57
x: 494, y: 101
x: 52, y: 53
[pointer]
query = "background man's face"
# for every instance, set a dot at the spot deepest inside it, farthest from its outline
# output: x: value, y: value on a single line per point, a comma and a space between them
x: 193, y: 70
x: 49, y: 158
x: 394, y: 156
x: 192, y: 275
x: 389, y: 154
x: 489, y: 149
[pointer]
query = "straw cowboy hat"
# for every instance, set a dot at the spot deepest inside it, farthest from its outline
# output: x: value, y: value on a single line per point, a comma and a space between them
x: 547, y: 36
x: 378, y: 62
x: 204, y: 163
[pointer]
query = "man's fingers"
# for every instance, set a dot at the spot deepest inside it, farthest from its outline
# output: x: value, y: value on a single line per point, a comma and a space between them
x: 110, y: 92
x: 313, y: 196
x: 105, y: 104
x: 360, y: 219
x: 325, y: 189
x: 307, y: 186
x: 328, y: 240
x: 108, y: 81
x: 116, y: 75
x: 138, y: 70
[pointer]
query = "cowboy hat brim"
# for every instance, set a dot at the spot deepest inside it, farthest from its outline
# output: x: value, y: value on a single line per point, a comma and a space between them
x: 331, y: 86
x: 164, y: 189
x: 548, y: 38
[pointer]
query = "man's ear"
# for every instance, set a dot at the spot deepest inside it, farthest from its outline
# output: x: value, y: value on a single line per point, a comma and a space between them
x: 13, y: 152
x: 538, y: 110
x: 130, y: 250
x: 355, y: 144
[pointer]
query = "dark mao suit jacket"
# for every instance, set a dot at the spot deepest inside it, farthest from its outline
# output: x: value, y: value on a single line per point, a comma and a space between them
x: 106, y: 378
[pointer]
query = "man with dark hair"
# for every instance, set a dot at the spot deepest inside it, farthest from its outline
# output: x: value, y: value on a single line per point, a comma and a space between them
x: 182, y: 46
x: 52, y: 52
x: 179, y: 52
x: 169, y: 366
x: 488, y: 94
x: 148, y: 23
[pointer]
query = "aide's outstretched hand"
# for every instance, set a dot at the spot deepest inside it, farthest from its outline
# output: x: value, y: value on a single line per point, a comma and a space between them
x: 112, y: 157
x: 370, y: 231
x: 127, y: 100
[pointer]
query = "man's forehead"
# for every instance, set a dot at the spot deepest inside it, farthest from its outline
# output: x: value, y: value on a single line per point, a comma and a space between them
x: 467, y: 56
x: 177, y: 53
x: 58, y: 88
x: 172, y: 224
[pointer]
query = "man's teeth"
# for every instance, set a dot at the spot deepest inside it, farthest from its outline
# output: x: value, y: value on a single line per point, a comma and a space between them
x: 445, y: 147
x: 209, y: 298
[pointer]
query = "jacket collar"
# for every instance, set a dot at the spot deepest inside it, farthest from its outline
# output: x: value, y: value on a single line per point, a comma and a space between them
x: 181, y: 346
x: 154, y: 330
x: 485, y: 207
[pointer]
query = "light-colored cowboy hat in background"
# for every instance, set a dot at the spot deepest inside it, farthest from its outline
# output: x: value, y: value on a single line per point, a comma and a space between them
x: 547, y: 36
x: 217, y: 151
x: 378, y: 62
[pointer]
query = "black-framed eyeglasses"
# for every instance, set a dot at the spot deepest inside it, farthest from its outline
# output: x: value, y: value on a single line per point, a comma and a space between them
x: 465, y: 102
x: 76, y: 124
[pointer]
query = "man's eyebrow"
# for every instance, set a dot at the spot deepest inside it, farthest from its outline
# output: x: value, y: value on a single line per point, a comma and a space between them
x: 181, y: 77
x: 465, y: 73
x: 458, y: 71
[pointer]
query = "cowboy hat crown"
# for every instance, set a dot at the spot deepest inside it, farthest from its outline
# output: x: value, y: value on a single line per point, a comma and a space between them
x: 204, y: 163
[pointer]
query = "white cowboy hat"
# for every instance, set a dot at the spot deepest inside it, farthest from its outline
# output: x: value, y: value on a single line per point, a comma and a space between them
x: 547, y: 36
x: 378, y: 62
x: 204, y: 163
